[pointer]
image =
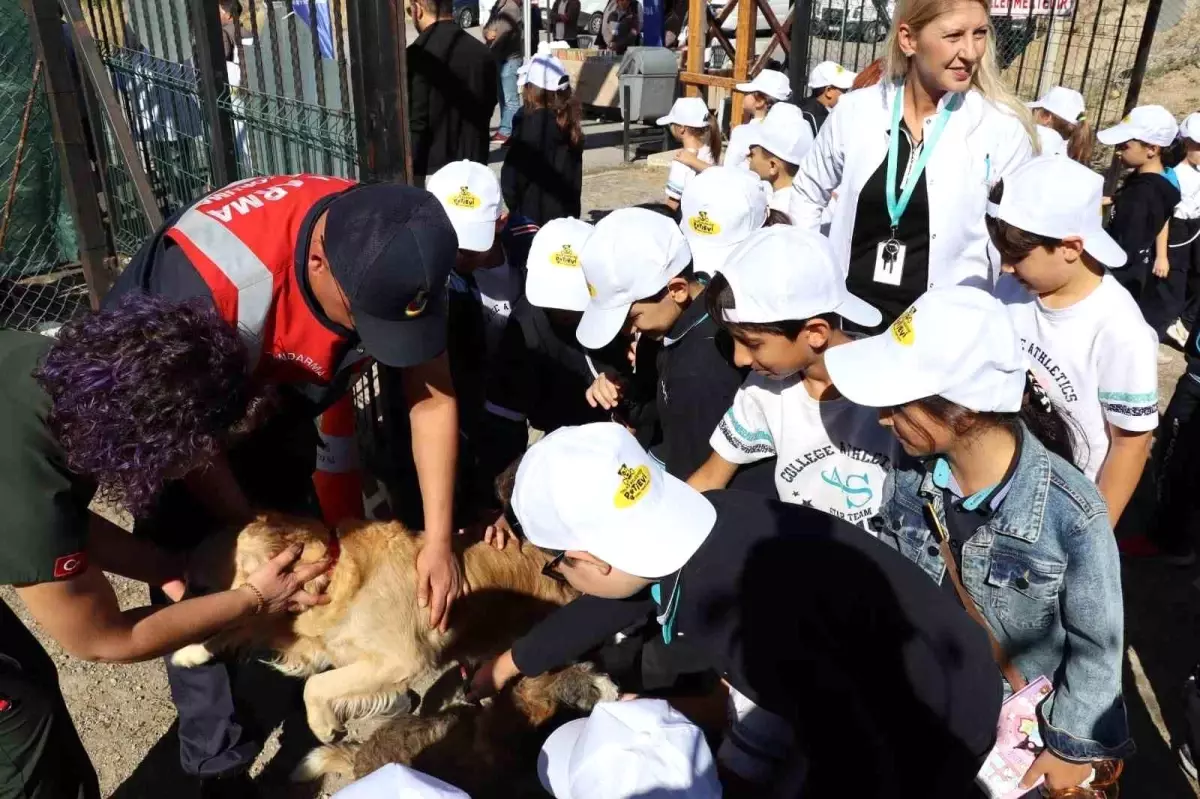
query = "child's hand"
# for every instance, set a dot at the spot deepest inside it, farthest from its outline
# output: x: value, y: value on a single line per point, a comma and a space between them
x: 604, y: 393
x: 1105, y: 202
x: 1162, y: 268
x: 1060, y: 774
x: 689, y: 159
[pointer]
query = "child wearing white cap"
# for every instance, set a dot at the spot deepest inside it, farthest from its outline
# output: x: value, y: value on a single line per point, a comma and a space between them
x: 777, y: 147
x: 542, y: 176
x: 1183, y: 240
x: 395, y: 781
x: 1061, y: 127
x: 768, y: 89
x: 782, y: 297
x: 799, y: 611
x: 638, y: 748
x: 995, y: 514
x: 719, y: 210
x: 827, y: 82
x: 1083, y: 334
x: 1143, y: 206
x: 695, y: 127
x: 640, y: 279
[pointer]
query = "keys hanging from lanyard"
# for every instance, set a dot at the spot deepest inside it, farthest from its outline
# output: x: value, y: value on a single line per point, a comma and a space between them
x: 890, y: 254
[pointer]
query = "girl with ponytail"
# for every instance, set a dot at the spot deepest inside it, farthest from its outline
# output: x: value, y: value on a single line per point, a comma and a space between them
x: 1062, y: 126
x: 993, y: 510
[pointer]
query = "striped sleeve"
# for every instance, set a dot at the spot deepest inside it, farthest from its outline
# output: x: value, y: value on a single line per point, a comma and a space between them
x: 1128, y: 380
x: 742, y: 435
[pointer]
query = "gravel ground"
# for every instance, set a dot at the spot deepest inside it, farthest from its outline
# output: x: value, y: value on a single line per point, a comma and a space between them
x: 125, y: 717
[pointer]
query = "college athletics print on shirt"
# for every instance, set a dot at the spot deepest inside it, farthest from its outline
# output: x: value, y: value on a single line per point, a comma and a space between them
x: 831, y: 455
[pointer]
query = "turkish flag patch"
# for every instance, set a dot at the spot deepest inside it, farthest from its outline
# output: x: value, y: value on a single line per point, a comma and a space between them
x: 70, y: 565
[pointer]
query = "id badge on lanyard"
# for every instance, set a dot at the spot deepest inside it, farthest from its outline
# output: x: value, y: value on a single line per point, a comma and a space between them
x: 890, y: 254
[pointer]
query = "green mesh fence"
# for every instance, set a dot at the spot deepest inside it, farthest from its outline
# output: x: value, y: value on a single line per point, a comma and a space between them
x: 41, y: 283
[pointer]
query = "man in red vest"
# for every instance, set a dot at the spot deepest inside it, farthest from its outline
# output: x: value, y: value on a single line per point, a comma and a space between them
x: 319, y: 275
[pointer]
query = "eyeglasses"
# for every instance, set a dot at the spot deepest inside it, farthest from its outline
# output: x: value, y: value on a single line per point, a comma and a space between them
x: 551, y: 568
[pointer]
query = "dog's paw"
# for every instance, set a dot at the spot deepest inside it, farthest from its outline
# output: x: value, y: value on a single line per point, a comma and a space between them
x: 191, y: 656
x: 332, y: 759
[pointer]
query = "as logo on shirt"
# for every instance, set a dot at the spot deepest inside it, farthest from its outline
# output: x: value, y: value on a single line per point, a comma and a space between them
x: 702, y: 225
x: 635, y: 482
x: 566, y: 257
x: 465, y: 200
x: 70, y: 565
x: 902, y: 328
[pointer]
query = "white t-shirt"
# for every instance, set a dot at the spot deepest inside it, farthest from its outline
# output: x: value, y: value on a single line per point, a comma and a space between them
x: 1189, y: 189
x: 831, y: 455
x: 681, y: 174
x: 1051, y: 142
x: 781, y: 200
x: 737, y: 151
x: 1097, y: 359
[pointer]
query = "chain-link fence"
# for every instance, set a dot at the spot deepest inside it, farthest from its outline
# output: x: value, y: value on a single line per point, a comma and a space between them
x: 41, y: 283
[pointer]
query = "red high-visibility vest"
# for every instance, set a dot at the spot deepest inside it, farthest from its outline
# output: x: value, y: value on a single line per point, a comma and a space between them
x: 242, y: 240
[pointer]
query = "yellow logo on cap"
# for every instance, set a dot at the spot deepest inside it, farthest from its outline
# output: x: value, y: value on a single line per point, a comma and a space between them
x: 902, y: 328
x: 703, y: 225
x: 635, y: 482
x: 417, y: 306
x: 1127, y: 119
x: 566, y: 257
x: 465, y: 200
x: 591, y: 291
x: 840, y: 69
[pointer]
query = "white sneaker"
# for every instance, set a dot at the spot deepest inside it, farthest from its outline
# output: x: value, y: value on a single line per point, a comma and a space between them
x: 1178, y: 333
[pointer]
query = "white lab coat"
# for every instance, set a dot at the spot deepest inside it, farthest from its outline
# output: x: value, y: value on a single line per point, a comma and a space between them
x: 981, y: 143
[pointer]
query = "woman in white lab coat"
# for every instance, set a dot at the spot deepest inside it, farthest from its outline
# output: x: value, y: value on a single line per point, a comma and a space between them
x: 941, y: 128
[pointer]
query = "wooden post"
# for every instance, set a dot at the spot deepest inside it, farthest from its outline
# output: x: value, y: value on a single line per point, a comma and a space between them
x: 743, y: 53
x: 379, y: 74
x: 697, y: 18
x: 209, y: 53
x: 1135, y: 82
x: 65, y: 100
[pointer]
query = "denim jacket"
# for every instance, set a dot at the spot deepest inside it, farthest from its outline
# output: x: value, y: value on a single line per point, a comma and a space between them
x: 1044, y: 572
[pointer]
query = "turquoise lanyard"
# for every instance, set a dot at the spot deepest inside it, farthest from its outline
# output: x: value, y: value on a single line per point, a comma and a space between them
x: 895, y: 206
x: 667, y: 619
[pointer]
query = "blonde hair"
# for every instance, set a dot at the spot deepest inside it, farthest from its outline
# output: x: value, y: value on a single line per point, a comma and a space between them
x: 986, y: 76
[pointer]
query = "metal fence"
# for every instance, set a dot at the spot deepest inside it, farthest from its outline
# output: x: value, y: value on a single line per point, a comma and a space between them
x: 38, y: 286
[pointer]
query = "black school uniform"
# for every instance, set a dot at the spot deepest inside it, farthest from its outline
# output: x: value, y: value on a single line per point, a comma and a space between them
x: 888, y: 684
x: 815, y: 113
x: 1140, y: 209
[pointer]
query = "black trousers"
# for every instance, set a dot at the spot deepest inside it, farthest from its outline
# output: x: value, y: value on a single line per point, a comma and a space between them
x: 1185, y: 256
x: 274, y: 467
x: 41, y: 756
x: 1176, y: 460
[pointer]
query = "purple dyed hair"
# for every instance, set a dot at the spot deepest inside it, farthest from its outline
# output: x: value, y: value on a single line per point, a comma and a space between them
x: 144, y: 392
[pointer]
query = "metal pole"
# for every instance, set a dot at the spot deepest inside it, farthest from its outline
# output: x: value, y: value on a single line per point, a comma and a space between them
x: 209, y: 51
x: 798, y: 58
x: 527, y: 27
x: 19, y: 158
x: 1135, y: 80
x: 379, y: 77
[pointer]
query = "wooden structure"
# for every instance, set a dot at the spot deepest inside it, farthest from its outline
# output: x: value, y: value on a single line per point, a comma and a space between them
x: 704, y: 25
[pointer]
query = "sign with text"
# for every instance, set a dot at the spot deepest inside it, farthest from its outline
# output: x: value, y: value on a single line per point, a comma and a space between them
x: 1020, y: 9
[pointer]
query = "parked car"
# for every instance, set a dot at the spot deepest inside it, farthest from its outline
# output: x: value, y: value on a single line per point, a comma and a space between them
x: 591, y: 15
x: 469, y: 13
x: 779, y: 7
x: 855, y: 20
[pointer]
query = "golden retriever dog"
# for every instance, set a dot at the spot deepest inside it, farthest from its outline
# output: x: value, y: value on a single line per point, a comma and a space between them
x: 360, y: 651
x: 486, y: 750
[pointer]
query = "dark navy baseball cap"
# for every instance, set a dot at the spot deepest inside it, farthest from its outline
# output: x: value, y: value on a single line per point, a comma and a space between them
x: 391, y: 248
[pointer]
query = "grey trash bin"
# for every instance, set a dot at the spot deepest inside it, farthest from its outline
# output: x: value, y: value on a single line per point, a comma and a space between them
x: 651, y: 74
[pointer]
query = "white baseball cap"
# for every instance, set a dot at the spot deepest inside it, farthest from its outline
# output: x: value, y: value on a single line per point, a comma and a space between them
x: 1151, y: 124
x: 632, y: 254
x: 642, y: 748
x: 1190, y: 129
x: 770, y: 82
x: 783, y: 273
x: 831, y: 73
x: 691, y: 112
x: 1064, y: 103
x: 470, y: 193
x: 594, y: 489
x: 394, y: 780
x: 547, y: 72
x: 783, y: 133
x: 955, y: 342
x: 1058, y: 197
x: 554, y: 267
x: 720, y: 207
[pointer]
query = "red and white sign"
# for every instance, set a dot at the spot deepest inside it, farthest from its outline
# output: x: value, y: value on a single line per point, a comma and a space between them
x: 70, y: 565
x: 1021, y: 9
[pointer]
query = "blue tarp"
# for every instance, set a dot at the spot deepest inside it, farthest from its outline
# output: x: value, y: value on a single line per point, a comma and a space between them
x: 324, y: 26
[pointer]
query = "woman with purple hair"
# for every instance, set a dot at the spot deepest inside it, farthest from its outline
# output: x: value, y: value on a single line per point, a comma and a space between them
x: 124, y: 401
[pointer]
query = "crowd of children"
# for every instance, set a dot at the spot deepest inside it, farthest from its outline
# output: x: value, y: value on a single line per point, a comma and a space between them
x: 930, y: 467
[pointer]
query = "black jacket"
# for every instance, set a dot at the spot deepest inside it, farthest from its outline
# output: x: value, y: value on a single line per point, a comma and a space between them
x: 889, y: 685
x: 569, y: 10
x: 814, y: 112
x: 452, y: 92
x: 542, y: 177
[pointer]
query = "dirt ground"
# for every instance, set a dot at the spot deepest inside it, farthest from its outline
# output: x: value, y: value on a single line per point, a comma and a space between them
x: 127, y: 722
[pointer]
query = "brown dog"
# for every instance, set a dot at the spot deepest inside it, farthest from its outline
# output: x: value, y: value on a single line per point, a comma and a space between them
x: 485, y: 750
x: 360, y: 651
